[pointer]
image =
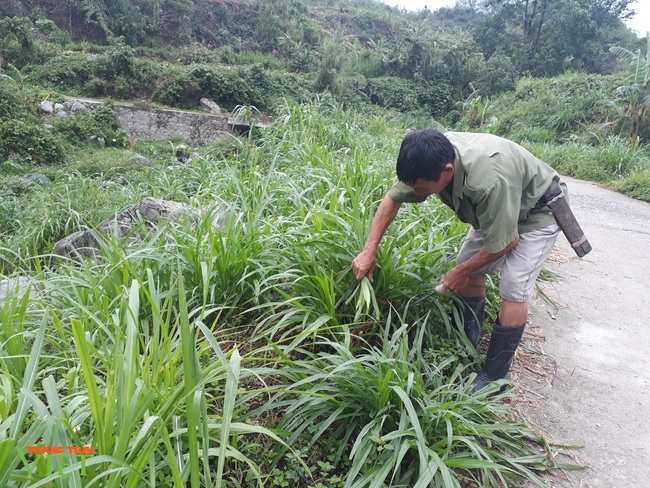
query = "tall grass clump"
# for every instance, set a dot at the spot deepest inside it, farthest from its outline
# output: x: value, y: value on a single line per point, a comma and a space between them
x: 407, y: 423
x: 554, y: 109
x: 244, y: 352
x: 612, y: 160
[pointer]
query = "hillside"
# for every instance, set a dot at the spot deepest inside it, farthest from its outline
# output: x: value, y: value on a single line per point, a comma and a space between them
x: 254, y: 52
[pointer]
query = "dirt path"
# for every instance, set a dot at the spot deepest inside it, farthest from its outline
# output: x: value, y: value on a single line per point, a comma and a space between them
x: 593, y: 386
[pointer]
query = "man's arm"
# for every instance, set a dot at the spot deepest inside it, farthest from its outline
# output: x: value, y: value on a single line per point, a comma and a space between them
x: 458, y: 277
x: 364, y: 263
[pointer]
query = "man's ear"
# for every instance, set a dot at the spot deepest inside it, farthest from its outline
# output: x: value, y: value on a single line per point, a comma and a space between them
x: 448, y: 170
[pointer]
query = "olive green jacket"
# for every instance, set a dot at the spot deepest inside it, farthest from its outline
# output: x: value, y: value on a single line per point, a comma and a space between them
x: 495, y: 187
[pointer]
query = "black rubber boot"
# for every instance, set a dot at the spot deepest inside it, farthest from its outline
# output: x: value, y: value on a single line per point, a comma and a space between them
x: 473, y: 313
x: 503, y: 344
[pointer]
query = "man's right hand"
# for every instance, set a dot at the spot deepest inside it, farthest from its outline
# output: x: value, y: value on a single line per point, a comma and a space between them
x: 364, y: 264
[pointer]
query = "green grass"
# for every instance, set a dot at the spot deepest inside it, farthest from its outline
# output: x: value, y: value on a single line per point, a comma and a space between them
x: 189, y: 359
x: 612, y: 161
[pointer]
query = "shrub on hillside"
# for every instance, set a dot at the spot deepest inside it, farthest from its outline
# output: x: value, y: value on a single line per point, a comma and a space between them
x: 567, y: 104
x: 408, y: 96
x: 176, y: 88
x: 97, y: 126
x: 613, y: 159
x: 11, y: 106
x: 637, y: 185
x: 121, y: 59
x: 65, y: 72
x: 391, y: 92
x: 434, y: 98
x: 31, y: 143
x: 17, y: 45
x: 14, y: 186
x: 497, y: 75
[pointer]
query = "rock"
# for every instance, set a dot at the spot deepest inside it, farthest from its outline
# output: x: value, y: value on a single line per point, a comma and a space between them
x: 142, y: 159
x: 80, y: 243
x: 62, y: 114
x: 58, y: 106
x: 131, y: 222
x: 138, y: 157
x: 214, y: 213
x: 182, y: 155
x: 91, y: 57
x: 78, y: 107
x: 211, y: 106
x: 39, y: 178
x: 16, y: 287
x: 47, y: 107
x: 48, y: 126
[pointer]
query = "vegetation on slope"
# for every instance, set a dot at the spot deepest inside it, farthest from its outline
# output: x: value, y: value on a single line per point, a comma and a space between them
x: 248, y: 355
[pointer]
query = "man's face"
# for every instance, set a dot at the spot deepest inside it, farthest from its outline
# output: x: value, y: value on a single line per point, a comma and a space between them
x: 424, y: 188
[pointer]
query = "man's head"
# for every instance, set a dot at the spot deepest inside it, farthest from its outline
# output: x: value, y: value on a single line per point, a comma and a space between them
x: 423, y: 154
x: 425, y: 161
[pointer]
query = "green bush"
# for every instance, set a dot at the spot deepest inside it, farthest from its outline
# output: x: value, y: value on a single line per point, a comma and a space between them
x: 31, y: 142
x: 97, y: 127
x: 46, y: 25
x: 568, y: 105
x: 62, y: 38
x: 11, y: 106
x: 96, y: 87
x: 637, y: 185
x: 496, y: 75
x: 434, y: 98
x: 392, y: 92
x: 14, y: 186
x: 121, y: 59
x: 408, y: 96
x: 197, y: 53
x: 176, y: 88
x: 250, y: 85
x: 612, y: 160
x: 17, y: 45
x: 65, y: 72
x: 229, y: 56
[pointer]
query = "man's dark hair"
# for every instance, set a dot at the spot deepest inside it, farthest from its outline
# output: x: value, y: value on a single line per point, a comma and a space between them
x: 423, y: 154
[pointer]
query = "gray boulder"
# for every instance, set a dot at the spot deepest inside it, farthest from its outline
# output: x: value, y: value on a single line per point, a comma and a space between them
x: 130, y: 223
x: 47, y: 107
x: 183, y: 156
x: 211, y: 106
x: 140, y: 158
x: 62, y: 114
x: 39, y: 178
x: 78, y: 107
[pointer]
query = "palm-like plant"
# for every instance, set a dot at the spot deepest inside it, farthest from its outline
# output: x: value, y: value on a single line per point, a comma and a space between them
x: 636, y: 94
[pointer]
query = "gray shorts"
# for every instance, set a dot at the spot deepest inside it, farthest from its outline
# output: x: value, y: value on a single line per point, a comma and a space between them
x: 519, y: 268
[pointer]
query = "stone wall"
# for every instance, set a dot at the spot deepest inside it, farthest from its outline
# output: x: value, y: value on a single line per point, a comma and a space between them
x: 163, y: 124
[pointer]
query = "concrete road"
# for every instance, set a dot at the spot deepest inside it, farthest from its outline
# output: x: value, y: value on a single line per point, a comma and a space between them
x: 598, y: 392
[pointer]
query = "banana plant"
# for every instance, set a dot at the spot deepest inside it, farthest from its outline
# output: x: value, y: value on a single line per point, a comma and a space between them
x: 635, y: 96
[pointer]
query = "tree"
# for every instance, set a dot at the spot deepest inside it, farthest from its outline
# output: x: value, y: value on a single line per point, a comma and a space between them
x: 635, y: 96
x: 16, y: 41
x: 547, y: 37
x: 335, y: 48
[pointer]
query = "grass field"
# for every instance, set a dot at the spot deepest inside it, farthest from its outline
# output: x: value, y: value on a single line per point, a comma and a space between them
x: 247, y: 355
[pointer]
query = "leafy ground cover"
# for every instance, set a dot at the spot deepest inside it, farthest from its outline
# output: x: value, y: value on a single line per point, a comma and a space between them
x: 248, y: 355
